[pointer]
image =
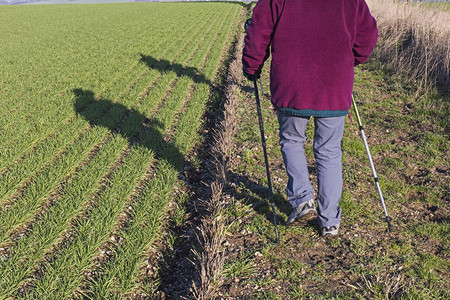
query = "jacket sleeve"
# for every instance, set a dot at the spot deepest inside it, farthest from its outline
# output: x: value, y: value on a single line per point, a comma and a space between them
x: 259, y: 34
x: 366, y: 34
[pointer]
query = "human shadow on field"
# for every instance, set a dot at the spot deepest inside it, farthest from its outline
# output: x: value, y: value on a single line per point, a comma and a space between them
x: 251, y: 192
x: 262, y: 207
x: 130, y: 124
x: 141, y: 131
x: 164, y: 65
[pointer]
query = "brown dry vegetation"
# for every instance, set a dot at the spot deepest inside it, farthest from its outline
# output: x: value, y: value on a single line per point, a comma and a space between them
x: 210, y: 260
x: 414, y: 41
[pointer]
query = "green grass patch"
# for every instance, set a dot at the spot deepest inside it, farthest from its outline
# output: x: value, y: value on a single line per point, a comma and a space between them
x: 102, y: 128
x: 406, y: 132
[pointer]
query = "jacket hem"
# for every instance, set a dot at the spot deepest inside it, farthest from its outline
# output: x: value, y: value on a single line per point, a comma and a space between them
x: 312, y: 112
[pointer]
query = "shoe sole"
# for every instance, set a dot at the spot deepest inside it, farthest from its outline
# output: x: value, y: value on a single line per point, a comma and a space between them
x: 310, y: 215
x: 330, y: 234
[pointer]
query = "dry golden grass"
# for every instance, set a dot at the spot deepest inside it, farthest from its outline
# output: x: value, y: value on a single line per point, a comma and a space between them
x: 414, y: 40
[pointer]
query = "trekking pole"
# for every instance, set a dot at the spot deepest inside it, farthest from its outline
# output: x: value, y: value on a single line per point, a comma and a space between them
x: 263, y: 142
x: 388, y: 219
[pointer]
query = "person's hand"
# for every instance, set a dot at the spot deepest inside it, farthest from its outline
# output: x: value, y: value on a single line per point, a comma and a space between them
x: 246, y: 24
x: 252, y: 77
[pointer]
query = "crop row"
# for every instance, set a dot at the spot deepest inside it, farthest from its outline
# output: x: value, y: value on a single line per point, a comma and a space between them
x: 32, y: 117
x: 74, y: 46
x: 58, y: 122
x: 21, y: 171
x: 98, y: 112
x: 103, y: 66
x: 69, y: 191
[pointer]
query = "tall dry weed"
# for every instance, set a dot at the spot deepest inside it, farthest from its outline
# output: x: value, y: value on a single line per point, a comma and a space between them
x: 414, y: 41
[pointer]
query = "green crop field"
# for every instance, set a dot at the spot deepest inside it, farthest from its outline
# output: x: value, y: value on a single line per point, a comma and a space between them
x: 99, y: 107
x: 131, y: 164
x: 440, y: 5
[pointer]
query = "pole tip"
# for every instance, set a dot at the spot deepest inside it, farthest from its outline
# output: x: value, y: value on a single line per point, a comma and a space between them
x: 277, y: 236
x: 388, y: 220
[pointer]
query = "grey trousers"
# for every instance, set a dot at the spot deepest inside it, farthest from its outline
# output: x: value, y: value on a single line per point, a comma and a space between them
x: 328, y: 134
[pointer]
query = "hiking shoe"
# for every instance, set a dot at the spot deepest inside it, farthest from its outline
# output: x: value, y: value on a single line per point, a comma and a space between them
x: 305, y: 212
x: 330, y: 231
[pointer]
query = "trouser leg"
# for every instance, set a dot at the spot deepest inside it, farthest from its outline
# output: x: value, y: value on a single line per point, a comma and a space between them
x: 292, y: 138
x: 328, y: 154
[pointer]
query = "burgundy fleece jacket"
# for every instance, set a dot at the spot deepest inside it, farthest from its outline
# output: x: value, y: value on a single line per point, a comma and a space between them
x: 315, y: 45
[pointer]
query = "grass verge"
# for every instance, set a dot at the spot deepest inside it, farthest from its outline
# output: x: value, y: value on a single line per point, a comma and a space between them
x: 408, y: 138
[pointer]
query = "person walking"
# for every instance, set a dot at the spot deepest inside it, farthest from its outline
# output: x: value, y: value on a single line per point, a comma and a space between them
x: 315, y: 45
